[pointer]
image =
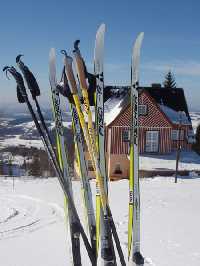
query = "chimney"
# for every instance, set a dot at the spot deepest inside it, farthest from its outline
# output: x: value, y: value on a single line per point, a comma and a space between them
x: 156, y: 85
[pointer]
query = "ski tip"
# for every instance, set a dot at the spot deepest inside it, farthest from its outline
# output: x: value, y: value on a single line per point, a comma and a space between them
x: 140, y: 37
x: 19, y: 57
x: 101, y: 30
x: 102, y: 27
x: 141, y: 33
x: 52, y: 53
x: 137, y: 45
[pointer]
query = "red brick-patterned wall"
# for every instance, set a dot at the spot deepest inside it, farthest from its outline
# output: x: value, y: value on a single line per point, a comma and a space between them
x: 155, y: 120
x: 155, y: 117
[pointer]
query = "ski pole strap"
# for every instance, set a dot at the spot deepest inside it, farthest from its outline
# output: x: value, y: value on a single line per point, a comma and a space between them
x: 91, y: 88
x: 63, y: 87
x: 20, y: 96
x: 21, y: 90
x: 29, y: 77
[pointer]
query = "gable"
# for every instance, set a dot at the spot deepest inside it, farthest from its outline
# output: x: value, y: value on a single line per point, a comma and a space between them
x: 154, y: 118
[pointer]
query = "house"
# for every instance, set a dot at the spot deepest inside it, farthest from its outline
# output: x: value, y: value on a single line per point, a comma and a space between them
x: 163, y: 121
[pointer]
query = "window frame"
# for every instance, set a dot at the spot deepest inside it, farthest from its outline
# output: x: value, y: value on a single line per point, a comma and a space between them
x: 190, y: 133
x: 126, y: 133
x: 151, y: 143
x: 182, y: 133
x: 139, y: 110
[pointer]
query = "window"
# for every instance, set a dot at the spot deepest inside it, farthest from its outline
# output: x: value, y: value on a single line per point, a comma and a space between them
x: 152, y: 143
x: 118, y: 169
x: 126, y: 135
x: 142, y: 109
x: 90, y: 166
x: 191, y: 139
x: 190, y: 136
x: 190, y: 133
x: 175, y: 134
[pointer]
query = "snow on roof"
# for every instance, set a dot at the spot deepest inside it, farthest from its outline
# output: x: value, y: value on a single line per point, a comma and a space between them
x: 113, y: 107
x: 175, y: 116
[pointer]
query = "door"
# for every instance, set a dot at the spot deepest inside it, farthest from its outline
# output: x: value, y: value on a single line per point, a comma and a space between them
x: 152, y: 141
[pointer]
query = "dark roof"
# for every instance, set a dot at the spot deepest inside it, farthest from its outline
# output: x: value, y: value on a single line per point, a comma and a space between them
x: 173, y: 98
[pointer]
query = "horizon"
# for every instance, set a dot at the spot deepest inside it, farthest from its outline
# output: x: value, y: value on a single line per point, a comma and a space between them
x: 169, y: 44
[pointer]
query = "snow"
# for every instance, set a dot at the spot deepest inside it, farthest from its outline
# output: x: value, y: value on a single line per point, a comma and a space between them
x: 26, y: 126
x: 19, y: 160
x: 33, y: 230
x: 65, y: 124
x: 112, y: 109
x: 174, y: 116
x: 188, y: 161
x: 18, y: 141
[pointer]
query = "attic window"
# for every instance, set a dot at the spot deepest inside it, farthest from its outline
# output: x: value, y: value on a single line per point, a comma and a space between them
x: 175, y: 135
x: 142, y: 109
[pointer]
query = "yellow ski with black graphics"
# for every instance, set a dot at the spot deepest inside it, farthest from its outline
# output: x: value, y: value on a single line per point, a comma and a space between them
x: 63, y: 160
x: 90, y: 140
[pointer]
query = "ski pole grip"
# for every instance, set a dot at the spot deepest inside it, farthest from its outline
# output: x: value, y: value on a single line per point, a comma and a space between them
x: 70, y: 75
x: 80, y: 69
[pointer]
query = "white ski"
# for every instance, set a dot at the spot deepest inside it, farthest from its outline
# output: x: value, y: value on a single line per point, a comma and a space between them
x: 106, y: 243
x: 134, y: 255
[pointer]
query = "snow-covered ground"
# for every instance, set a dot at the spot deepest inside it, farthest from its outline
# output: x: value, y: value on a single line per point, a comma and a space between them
x: 16, y: 141
x: 65, y: 124
x: 189, y: 161
x: 33, y: 230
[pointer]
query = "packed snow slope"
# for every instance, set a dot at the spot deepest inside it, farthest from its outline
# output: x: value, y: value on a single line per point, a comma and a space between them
x: 33, y: 229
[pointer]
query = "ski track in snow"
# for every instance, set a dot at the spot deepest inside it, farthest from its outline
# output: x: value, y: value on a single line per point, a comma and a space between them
x: 170, y: 220
x: 23, y: 214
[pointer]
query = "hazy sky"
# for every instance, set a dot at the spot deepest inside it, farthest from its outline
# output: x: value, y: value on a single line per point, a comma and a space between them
x: 172, y: 39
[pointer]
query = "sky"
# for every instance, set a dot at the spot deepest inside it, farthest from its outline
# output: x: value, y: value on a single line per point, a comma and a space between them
x: 171, y: 41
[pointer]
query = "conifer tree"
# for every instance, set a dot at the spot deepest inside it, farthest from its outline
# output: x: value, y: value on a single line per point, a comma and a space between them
x: 169, y: 81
